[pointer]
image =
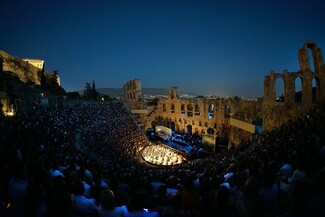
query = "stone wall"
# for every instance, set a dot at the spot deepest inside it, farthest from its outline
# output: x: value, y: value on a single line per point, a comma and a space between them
x: 37, y: 63
x: 24, y: 71
x: 205, y: 116
x: 202, y: 115
x: 132, y: 93
x: 277, y: 113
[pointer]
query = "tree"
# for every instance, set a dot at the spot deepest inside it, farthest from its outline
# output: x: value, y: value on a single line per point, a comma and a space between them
x: 94, y: 92
x: 87, y: 91
x: 90, y: 92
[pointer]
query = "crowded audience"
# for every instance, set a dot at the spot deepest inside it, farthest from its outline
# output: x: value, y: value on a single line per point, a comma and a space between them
x: 88, y: 160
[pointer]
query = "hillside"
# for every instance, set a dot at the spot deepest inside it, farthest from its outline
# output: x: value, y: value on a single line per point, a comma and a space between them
x: 19, y: 68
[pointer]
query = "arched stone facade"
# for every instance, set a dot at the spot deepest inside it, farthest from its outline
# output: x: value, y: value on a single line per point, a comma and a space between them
x: 278, y: 113
x: 204, y: 115
x: 132, y: 93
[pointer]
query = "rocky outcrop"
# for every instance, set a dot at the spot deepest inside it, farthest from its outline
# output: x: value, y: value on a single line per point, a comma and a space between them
x: 17, y: 67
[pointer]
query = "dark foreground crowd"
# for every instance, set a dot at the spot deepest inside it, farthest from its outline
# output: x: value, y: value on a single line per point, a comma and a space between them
x: 84, y: 160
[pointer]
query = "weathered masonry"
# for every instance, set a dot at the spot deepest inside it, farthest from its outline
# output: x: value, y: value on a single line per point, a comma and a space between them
x: 215, y: 116
x: 278, y: 112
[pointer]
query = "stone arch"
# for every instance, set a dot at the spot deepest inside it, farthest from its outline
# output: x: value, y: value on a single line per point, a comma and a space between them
x: 211, y: 109
x: 172, y: 108
x: 227, y: 111
x: 202, y: 132
x: 311, y: 59
x: 189, y: 129
x: 298, y: 89
x: 197, y: 110
x: 172, y: 125
x: 315, y: 90
x: 279, y: 89
x: 182, y: 109
x: 316, y: 56
x: 189, y: 110
x: 173, y: 92
x: 210, y: 131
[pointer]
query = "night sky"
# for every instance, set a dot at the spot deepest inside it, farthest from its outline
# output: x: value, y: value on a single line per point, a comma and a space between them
x: 207, y: 47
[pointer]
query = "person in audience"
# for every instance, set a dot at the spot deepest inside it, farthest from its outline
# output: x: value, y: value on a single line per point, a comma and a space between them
x: 137, y: 206
x: 72, y: 139
x: 108, y: 208
x: 17, y: 189
x: 59, y: 199
x: 249, y: 204
x: 81, y: 205
x: 222, y: 206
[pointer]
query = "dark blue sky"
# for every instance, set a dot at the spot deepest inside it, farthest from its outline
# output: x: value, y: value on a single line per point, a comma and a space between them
x: 208, y: 47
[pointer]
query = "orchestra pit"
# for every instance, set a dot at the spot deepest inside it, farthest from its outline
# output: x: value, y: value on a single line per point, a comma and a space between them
x: 161, y: 155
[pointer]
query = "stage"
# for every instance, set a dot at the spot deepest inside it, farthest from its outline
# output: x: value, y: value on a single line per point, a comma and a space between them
x: 178, y: 146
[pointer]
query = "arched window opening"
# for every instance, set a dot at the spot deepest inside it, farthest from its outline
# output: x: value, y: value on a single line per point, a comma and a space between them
x: 227, y: 111
x: 164, y: 107
x: 311, y: 59
x: 279, y: 90
x: 315, y: 90
x: 189, y: 110
x: 172, y: 126
x: 172, y: 108
x: 182, y: 109
x: 298, y: 90
x: 189, y: 129
x: 197, y: 110
x: 210, y: 131
x: 211, y: 111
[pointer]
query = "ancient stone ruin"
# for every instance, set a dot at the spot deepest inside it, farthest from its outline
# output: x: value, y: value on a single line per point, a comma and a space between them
x: 217, y: 116
x: 276, y: 113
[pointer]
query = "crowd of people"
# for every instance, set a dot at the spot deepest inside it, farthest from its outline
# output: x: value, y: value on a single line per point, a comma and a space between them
x: 84, y: 160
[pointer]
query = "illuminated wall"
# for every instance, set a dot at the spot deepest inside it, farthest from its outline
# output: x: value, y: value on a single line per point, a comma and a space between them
x: 37, y: 63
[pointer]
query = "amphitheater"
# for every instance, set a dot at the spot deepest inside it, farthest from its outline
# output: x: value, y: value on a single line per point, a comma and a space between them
x: 233, y: 119
x: 53, y: 152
